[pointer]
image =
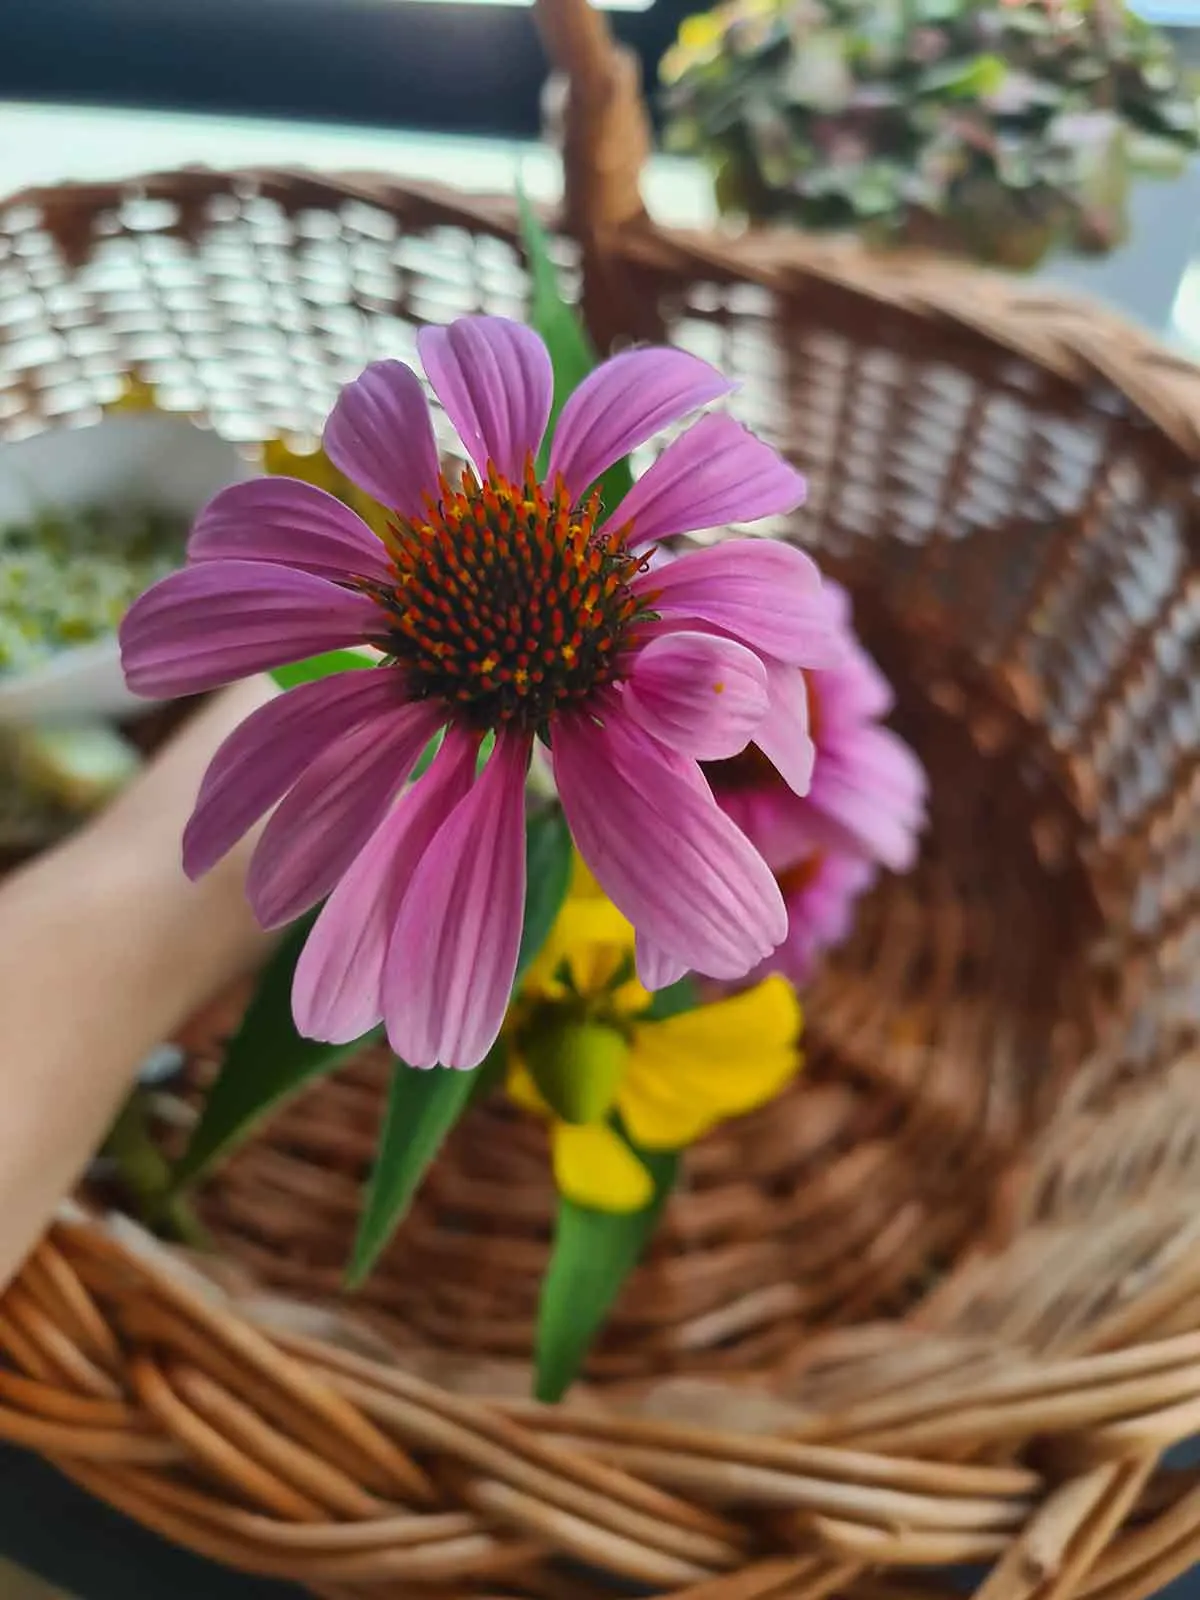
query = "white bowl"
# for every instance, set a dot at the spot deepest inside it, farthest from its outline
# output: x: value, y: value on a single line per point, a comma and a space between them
x: 150, y: 458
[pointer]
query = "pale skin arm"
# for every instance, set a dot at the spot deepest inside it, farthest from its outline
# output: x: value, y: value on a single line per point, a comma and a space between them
x: 105, y: 948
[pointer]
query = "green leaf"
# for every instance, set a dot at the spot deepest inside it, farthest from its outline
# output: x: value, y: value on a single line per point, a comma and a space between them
x: 594, y: 1253
x: 266, y: 1063
x: 422, y: 1108
x: 322, y: 666
x: 548, y: 857
x: 673, y: 1001
x: 572, y: 354
x: 967, y: 80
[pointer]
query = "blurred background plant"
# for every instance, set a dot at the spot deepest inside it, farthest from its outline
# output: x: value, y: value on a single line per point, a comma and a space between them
x: 1006, y: 130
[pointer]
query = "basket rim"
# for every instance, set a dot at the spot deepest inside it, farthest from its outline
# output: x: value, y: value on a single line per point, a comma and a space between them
x: 1074, y: 337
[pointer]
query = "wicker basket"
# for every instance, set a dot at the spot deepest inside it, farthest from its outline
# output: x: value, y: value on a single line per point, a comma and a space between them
x: 941, y: 1305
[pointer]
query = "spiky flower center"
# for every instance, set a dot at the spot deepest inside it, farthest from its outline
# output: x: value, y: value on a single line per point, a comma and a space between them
x: 508, y: 605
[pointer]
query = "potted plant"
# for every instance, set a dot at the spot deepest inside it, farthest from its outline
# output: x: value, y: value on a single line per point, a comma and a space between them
x: 1004, y: 130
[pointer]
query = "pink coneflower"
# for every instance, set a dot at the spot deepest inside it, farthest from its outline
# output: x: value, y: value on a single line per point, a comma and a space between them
x: 509, y: 606
x: 864, y: 809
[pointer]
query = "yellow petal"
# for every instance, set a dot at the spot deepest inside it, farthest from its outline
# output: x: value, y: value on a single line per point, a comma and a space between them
x: 630, y: 999
x: 593, y: 922
x: 719, y: 1061
x: 589, y: 935
x: 657, y: 1115
x: 593, y: 1167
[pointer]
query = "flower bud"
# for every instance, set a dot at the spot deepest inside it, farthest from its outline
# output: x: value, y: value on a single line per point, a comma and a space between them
x: 577, y: 1066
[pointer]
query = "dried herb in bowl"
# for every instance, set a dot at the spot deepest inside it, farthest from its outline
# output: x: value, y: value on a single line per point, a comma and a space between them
x: 68, y: 577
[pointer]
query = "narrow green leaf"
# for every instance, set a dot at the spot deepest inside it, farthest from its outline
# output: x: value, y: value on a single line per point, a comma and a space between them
x: 267, y: 1061
x: 572, y: 354
x: 422, y: 1108
x: 672, y: 1001
x: 594, y: 1253
x: 322, y: 666
x: 548, y: 854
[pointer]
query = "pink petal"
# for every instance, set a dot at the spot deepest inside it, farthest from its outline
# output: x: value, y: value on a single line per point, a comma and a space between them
x: 495, y: 381
x: 655, y: 968
x: 821, y: 914
x: 776, y: 823
x: 662, y: 850
x: 761, y: 592
x: 327, y: 817
x: 292, y: 523
x: 453, y: 955
x: 716, y: 473
x: 783, y: 735
x: 869, y: 798
x: 853, y: 691
x: 624, y: 402
x: 837, y: 599
x: 826, y: 903
x: 337, y: 992
x: 703, y: 695
x: 221, y: 620
x: 263, y: 757
x: 380, y: 434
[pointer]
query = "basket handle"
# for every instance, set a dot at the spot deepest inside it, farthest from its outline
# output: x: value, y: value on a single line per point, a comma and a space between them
x: 605, y: 143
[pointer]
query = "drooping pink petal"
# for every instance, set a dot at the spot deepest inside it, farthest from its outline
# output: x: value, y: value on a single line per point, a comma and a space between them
x: 821, y: 913
x: 624, y: 402
x: 495, y: 381
x: 221, y: 620
x: 453, y: 955
x: 783, y: 735
x: 716, y: 473
x: 655, y: 968
x: 293, y: 524
x: 699, y: 693
x: 761, y: 592
x: 328, y: 815
x: 380, y: 434
x: 661, y: 849
x: 869, y: 799
x: 263, y: 757
x: 337, y: 990
x: 856, y: 691
x: 775, y: 821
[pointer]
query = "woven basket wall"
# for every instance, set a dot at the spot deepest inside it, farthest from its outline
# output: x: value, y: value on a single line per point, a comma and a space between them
x: 939, y: 1306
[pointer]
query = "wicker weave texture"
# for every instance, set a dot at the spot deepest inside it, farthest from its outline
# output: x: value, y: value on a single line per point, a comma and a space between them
x: 938, y: 1306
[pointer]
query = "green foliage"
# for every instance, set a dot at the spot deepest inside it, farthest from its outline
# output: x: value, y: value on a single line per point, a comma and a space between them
x: 673, y: 1000
x: 548, y: 861
x: 992, y: 129
x: 572, y: 353
x: 594, y: 1253
x: 422, y: 1108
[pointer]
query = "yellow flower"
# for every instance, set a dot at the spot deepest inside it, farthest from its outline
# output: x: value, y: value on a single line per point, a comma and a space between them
x: 583, y: 1047
x: 316, y: 468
